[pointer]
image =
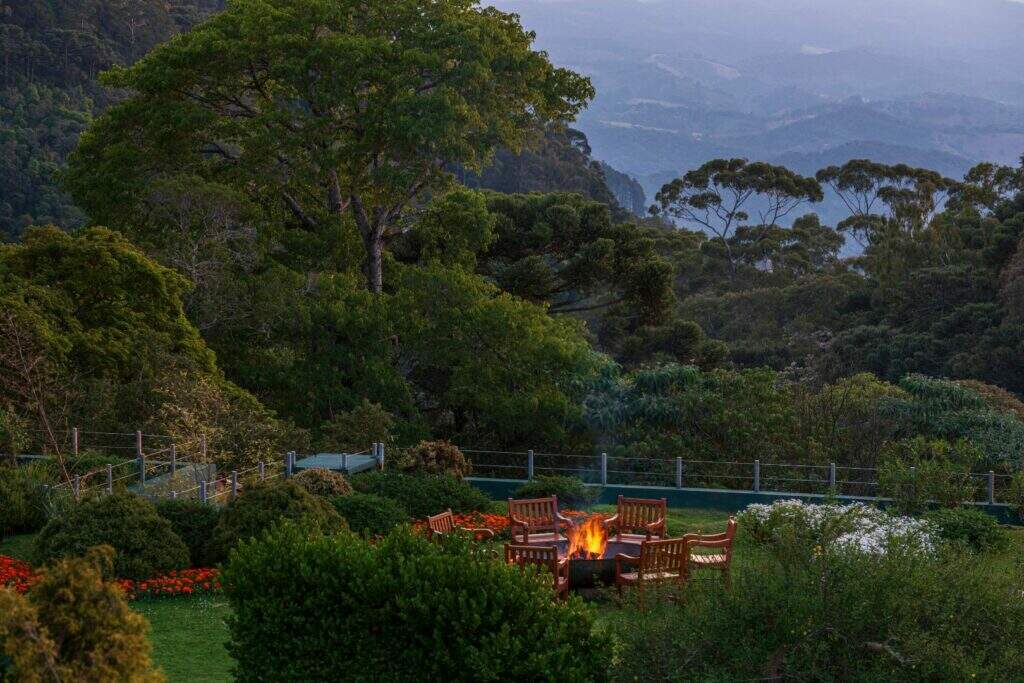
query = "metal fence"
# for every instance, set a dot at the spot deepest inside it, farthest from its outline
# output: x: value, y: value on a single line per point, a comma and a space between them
x: 757, y: 476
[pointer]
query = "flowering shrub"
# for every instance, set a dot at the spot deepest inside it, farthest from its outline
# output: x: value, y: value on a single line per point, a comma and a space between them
x: 856, y: 526
x: 20, y: 576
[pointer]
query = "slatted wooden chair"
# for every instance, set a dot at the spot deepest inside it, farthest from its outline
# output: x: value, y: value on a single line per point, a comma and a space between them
x: 638, y: 514
x: 444, y: 523
x: 659, y: 561
x: 720, y: 557
x: 544, y: 556
x: 536, y: 520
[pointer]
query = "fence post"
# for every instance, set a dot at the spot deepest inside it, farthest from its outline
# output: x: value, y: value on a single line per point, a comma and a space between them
x: 202, y: 491
x: 380, y: 455
x: 262, y: 471
x: 174, y: 461
x: 74, y: 441
x: 679, y: 472
x: 757, y: 476
x: 289, y: 463
x: 529, y: 464
x: 110, y: 478
x: 138, y: 457
x: 604, y: 469
x: 831, y: 476
x: 174, y: 495
x: 344, y: 463
x: 76, y: 484
x: 202, y: 447
x: 991, y: 487
x: 234, y: 483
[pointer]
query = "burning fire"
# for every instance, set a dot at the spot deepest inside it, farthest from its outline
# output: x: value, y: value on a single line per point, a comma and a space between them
x: 587, y: 540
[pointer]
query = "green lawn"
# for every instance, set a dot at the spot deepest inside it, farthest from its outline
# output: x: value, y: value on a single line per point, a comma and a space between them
x: 188, y: 636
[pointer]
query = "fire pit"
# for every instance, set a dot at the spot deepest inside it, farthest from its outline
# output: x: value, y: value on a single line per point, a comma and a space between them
x: 591, y: 553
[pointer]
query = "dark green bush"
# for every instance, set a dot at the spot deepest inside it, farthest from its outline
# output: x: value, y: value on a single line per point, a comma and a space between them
x: 144, y: 543
x: 918, y: 472
x: 367, y: 513
x: 261, y: 506
x: 22, y: 498
x: 571, y: 491
x: 321, y: 482
x: 194, y: 523
x: 422, y: 494
x: 899, y: 616
x: 968, y: 526
x: 400, y: 609
x: 435, y: 457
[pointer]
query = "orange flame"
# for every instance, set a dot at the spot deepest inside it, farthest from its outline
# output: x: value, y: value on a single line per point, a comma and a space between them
x: 587, y: 540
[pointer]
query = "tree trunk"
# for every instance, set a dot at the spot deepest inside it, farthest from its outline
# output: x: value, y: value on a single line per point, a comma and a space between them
x: 372, y: 231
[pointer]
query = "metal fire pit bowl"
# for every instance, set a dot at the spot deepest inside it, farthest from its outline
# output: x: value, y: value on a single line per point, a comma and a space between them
x: 592, y: 573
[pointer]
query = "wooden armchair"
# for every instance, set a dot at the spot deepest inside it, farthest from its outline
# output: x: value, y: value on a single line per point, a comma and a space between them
x: 545, y: 556
x: 444, y: 523
x: 659, y: 561
x: 633, y: 514
x: 536, y: 520
x: 721, y: 546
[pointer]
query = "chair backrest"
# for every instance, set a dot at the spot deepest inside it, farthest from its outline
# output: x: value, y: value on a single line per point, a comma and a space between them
x: 539, y: 513
x: 522, y: 555
x: 722, y: 541
x: 666, y: 555
x: 636, y: 513
x: 441, y: 523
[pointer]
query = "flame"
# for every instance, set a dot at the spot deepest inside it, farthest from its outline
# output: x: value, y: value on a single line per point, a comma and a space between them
x: 587, y: 540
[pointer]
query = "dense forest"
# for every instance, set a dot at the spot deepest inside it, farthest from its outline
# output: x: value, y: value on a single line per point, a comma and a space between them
x: 251, y: 246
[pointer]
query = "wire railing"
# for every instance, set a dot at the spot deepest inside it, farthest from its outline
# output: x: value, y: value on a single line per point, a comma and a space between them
x: 757, y: 475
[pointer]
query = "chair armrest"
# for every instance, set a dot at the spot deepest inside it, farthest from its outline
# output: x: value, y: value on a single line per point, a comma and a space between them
x: 478, y: 534
x: 623, y: 558
x: 656, y: 525
x: 559, y: 517
x: 611, y: 522
x: 705, y: 543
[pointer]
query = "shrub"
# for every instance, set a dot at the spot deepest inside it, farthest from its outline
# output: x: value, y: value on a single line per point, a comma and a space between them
x: 339, y: 608
x: 917, y: 472
x: 74, y: 626
x: 321, y: 482
x: 260, y: 507
x: 423, y: 494
x: 24, y: 500
x: 144, y: 543
x: 901, y: 616
x: 367, y: 513
x: 435, y: 457
x: 968, y: 526
x: 194, y: 523
x: 571, y: 491
x: 355, y: 430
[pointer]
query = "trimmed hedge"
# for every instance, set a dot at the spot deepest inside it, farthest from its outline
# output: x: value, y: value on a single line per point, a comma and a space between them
x: 367, y: 513
x: 22, y: 498
x: 571, y: 491
x: 423, y: 494
x: 194, y: 523
x: 317, y: 608
x: 321, y: 482
x: 968, y: 526
x: 261, y: 506
x: 144, y: 543
x: 435, y: 457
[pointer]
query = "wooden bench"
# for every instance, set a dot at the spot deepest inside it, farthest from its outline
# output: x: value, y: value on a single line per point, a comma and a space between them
x: 544, y: 556
x: 721, y: 557
x: 444, y: 523
x: 638, y: 514
x: 536, y: 520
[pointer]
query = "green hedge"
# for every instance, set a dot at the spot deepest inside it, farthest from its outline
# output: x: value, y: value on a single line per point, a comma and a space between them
x: 422, y: 494
x: 259, y: 507
x: 144, y: 543
x: 22, y: 498
x: 401, y: 609
x: 367, y: 513
x: 194, y: 523
x: 571, y: 491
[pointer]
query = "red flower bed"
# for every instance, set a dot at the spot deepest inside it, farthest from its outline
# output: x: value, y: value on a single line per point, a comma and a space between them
x: 20, y: 576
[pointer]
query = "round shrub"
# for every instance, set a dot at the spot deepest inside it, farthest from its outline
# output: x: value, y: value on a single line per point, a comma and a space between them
x: 571, y: 491
x: 260, y: 507
x: 423, y: 494
x: 321, y: 482
x: 316, y: 608
x: 194, y: 523
x: 23, y: 507
x: 367, y: 513
x: 967, y: 526
x: 435, y: 457
x: 144, y: 543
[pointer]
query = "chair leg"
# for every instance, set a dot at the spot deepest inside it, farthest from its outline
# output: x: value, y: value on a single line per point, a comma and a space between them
x: 727, y: 578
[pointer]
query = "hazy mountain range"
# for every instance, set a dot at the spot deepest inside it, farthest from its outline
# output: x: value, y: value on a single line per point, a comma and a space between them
x: 807, y: 83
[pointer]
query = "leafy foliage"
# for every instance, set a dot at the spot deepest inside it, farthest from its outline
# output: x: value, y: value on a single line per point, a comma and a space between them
x: 968, y: 526
x: 352, y: 610
x: 916, y: 472
x: 73, y: 624
x: 21, y: 489
x: 435, y: 457
x: 321, y: 482
x: 194, y: 523
x: 144, y: 543
x: 422, y: 494
x: 571, y: 491
x: 370, y: 514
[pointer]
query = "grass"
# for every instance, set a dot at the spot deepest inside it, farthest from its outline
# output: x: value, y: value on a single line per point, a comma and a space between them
x: 188, y: 636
